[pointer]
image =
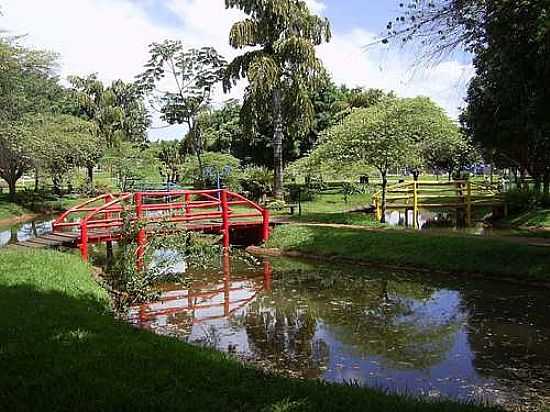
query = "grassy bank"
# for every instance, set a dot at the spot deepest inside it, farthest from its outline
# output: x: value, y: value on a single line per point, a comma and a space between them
x: 27, y: 203
x: 61, y: 349
x: 453, y: 253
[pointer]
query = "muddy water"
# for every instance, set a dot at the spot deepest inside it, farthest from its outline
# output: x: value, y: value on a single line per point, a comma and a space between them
x: 429, y: 336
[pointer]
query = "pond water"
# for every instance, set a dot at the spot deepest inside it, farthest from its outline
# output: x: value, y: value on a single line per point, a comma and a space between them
x: 25, y: 231
x: 442, y: 221
x: 409, y: 333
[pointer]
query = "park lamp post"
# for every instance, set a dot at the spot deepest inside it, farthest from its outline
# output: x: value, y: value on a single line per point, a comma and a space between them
x: 211, y: 172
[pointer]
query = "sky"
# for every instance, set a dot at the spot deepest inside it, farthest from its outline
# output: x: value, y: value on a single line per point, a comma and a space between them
x: 111, y: 38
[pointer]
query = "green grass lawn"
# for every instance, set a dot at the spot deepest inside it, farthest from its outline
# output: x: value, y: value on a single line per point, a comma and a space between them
x: 534, y: 218
x: 453, y: 253
x: 62, y: 350
x: 27, y: 203
x: 10, y: 210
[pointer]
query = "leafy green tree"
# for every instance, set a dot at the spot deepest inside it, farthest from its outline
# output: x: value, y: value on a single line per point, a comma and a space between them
x: 16, y: 153
x: 171, y: 160
x: 195, y: 73
x: 386, y: 136
x: 281, y: 68
x: 130, y: 164
x: 28, y: 85
x: 227, y: 166
x: 62, y: 143
x: 118, y: 111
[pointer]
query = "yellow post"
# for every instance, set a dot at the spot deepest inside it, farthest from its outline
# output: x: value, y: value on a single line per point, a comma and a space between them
x: 468, y: 203
x: 415, y: 204
x: 378, y: 209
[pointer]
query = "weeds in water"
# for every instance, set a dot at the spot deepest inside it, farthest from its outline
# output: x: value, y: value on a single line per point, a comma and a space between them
x: 133, y: 277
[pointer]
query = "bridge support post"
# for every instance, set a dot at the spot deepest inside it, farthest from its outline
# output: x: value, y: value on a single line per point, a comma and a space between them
x: 84, y: 241
x: 225, y: 220
x: 265, y: 225
x: 415, y: 205
x: 138, y: 200
x: 468, y: 204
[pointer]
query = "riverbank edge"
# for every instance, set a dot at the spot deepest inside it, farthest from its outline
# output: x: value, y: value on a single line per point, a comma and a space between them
x: 259, y: 251
x: 14, y: 220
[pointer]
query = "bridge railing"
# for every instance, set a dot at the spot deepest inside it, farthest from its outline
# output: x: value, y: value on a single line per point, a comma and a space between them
x: 458, y: 194
x: 217, y: 210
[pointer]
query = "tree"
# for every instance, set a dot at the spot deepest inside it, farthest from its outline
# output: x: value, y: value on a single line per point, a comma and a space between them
x: 171, y: 160
x: 386, y: 136
x: 28, y: 85
x: 62, y: 142
x: 118, y: 111
x: 194, y: 72
x: 282, y: 68
x: 16, y: 153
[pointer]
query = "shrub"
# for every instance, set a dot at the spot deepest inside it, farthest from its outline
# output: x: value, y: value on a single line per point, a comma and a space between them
x: 523, y: 200
x: 257, y: 182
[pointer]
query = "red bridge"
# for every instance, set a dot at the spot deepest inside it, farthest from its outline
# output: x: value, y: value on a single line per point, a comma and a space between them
x: 209, y: 211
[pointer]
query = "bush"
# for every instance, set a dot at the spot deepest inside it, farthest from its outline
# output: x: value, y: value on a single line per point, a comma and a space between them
x: 257, y: 182
x: 523, y: 200
x: 226, y: 165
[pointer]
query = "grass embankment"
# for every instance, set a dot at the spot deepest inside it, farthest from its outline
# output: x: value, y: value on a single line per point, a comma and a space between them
x: 539, y: 218
x: 29, y: 204
x: 450, y: 253
x: 61, y: 349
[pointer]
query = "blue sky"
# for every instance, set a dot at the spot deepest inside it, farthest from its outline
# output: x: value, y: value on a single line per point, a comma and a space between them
x: 110, y: 37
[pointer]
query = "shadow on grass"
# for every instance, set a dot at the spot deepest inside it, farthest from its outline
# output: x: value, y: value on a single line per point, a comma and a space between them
x: 62, y: 353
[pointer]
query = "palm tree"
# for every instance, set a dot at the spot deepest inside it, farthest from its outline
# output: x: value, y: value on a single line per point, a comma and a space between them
x: 281, y: 67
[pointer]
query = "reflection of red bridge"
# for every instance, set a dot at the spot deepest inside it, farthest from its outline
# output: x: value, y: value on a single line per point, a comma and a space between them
x: 205, y: 303
x: 210, y: 211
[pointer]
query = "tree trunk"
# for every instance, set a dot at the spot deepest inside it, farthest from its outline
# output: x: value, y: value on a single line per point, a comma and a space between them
x: 384, y: 188
x: 90, y: 173
x: 278, y: 136
x: 36, y: 180
x: 12, y: 190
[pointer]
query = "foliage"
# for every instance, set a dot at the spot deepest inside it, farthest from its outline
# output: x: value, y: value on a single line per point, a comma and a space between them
x: 62, y: 143
x: 519, y: 201
x: 257, y: 182
x: 225, y: 165
x: 195, y: 73
x: 161, y: 256
x: 28, y: 86
x: 508, y: 97
x: 281, y: 68
x: 130, y: 164
x: 16, y: 153
x: 170, y: 158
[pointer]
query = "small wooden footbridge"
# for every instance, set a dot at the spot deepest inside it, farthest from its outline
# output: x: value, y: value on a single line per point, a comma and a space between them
x: 461, y: 196
x: 101, y: 220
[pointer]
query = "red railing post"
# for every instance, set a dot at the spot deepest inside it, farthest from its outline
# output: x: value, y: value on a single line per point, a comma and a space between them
x: 84, y: 241
x: 138, y: 200
x: 226, y: 282
x: 225, y: 220
x: 187, y: 203
x: 265, y: 225
x: 268, y: 272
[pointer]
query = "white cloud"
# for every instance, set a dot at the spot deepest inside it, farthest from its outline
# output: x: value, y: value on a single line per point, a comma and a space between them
x: 394, y: 69
x: 110, y: 37
x: 316, y: 6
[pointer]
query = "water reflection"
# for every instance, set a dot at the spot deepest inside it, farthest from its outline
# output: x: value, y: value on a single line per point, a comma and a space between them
x: 402, y: 333
x: 21, y: 232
